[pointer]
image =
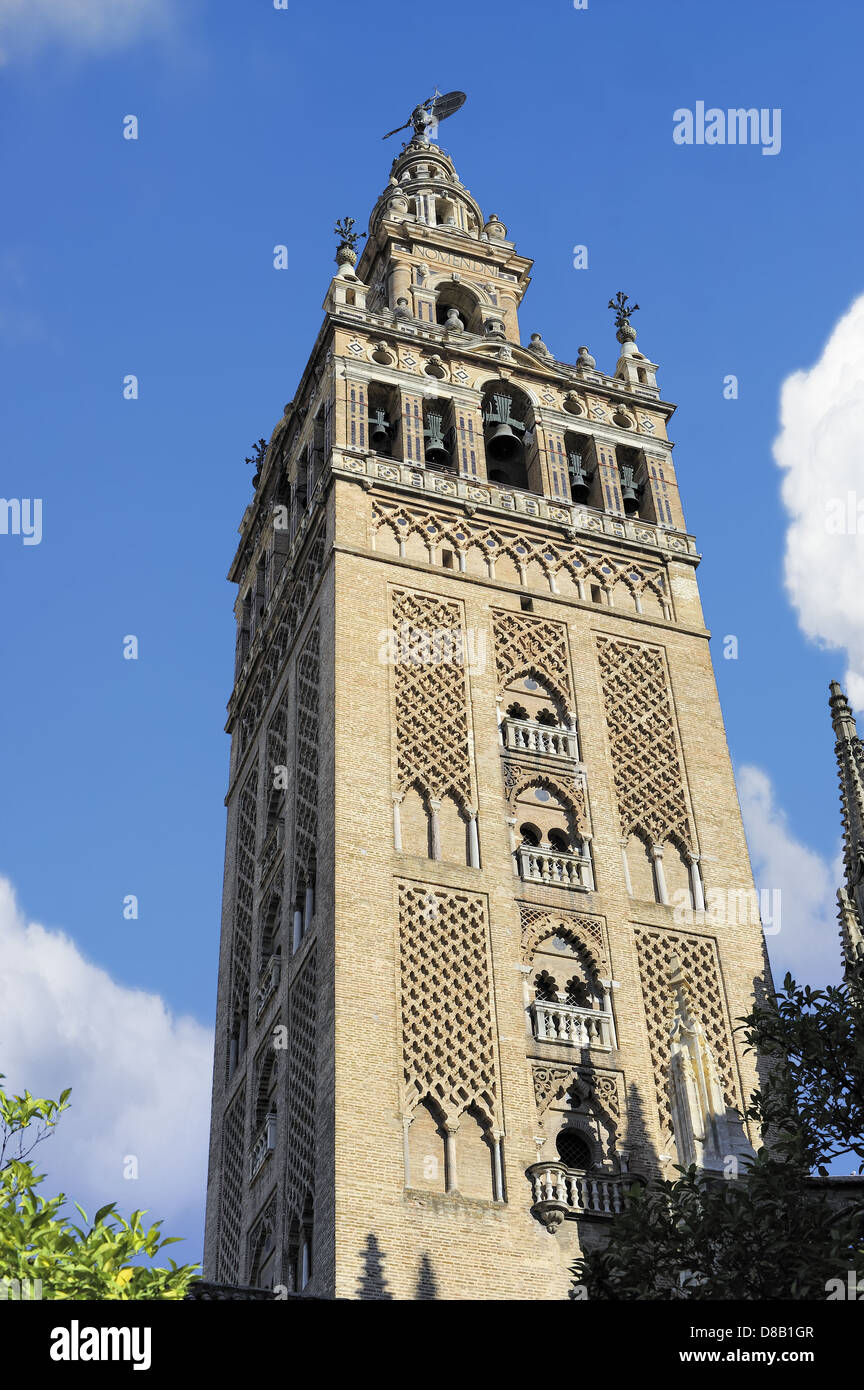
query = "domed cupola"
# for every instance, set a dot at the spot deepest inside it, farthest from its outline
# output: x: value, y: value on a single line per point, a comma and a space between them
x: 425, y: 188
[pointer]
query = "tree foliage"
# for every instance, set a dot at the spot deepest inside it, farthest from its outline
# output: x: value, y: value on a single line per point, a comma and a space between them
x: 771, y: 1232
x: 39, y: 1242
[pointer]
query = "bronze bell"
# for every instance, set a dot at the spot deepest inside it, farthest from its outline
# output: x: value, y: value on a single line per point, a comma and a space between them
x: 503, y: 446
x: 580, y: 481
x: 436, y: 451
x: 379, y: 432
x: 629, y: 491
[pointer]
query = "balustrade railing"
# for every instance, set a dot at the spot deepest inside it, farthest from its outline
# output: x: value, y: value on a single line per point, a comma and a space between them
x: 555, y: 868
x: 524, y: 736
x: 263, y: 1145
x: 267, y: 984
x: 571, y: 1024
x: 561, y: 1192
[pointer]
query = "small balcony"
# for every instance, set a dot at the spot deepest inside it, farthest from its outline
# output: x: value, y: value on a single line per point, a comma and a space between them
x: 268, y: 984
x: 524, y: 736
x: 561, y: 1192
x: 555, y: 868
x: 571, y: 1025
x: 263, y: 1145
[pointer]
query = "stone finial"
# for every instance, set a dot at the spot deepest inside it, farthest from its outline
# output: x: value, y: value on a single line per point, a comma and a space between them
x: 626, y: 334
x: 495, y: 230
x: 346, y: 251
x: 537, y: 345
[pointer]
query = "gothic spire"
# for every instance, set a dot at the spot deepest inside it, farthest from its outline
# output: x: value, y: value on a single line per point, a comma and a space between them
x: 850, y: 763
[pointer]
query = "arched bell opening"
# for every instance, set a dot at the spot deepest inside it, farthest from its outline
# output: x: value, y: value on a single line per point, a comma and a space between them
x: 439, y: 435
x: 582, y: 468
x: 508, y: 433
x: 384, y: 420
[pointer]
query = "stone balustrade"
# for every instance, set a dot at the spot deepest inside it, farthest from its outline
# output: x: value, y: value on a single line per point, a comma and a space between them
x: 554, y: 868
x: 524, y: 736
x: 263, y: 1145
x: 571, y: 1024
x: 267, y: 984
x: 561, y: 1192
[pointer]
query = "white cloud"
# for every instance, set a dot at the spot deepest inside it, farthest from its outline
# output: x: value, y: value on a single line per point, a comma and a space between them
x: 820, y: 450
x: 140, y: 1078
x: 94, y: 26
x: 808, y: 942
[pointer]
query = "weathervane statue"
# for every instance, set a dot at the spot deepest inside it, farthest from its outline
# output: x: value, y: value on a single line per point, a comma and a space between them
x: 425, y: 117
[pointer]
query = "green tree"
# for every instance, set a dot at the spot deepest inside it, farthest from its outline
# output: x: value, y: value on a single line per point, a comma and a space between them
x: 39, y: 1242
x: 772, y: 1232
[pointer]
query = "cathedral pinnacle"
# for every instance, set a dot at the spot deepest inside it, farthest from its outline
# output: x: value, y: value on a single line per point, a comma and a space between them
x: 850, y: 764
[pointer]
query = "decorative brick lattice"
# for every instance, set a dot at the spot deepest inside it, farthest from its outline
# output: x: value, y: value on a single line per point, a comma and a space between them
x: 431, y: 704
x: 539, y: 925
x: 242, y: 940
x: 231, y: 1193
x: 524, y: 644
x: 698, y: 956
x: 649, y: 783
x: 280, y: 636
x: 262, y: 1239
x: 277, y: 745
x: 302, y: 1077
x: 447, y: 1021
x: 584, y: 565
x: 306, y: 794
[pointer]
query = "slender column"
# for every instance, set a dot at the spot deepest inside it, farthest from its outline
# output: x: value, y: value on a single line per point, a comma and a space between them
x: 607, y: 987
x: 696, y: 884
x: 232, y: 1056
x: 627, y: 882
x: 435, y: 826
x: 406, y: 1148
x: 308, y: 907
x: 397, y: 822
x: 473, y: 841
x: 450, y: 1152
x: 497, y: 1136
x: 511, y: 826
x: 298, y: 930
x: 244, y: 1025
x: 662, y: 890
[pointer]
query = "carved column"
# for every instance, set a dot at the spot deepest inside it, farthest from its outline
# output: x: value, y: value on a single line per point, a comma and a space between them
x: 660, y: 877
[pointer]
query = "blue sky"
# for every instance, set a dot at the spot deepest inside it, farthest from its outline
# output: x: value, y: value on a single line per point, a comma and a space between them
x: 155, y: 257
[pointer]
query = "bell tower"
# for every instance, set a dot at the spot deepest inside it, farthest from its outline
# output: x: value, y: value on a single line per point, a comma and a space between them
x: 489, y: 918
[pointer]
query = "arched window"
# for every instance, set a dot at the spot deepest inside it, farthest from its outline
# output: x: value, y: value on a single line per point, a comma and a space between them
x: 576, y: 992
x: 546, y: 988
x: 559, y: 840
x: 452, y: 296
x: 530, y: 834
x: 573, y: 1150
